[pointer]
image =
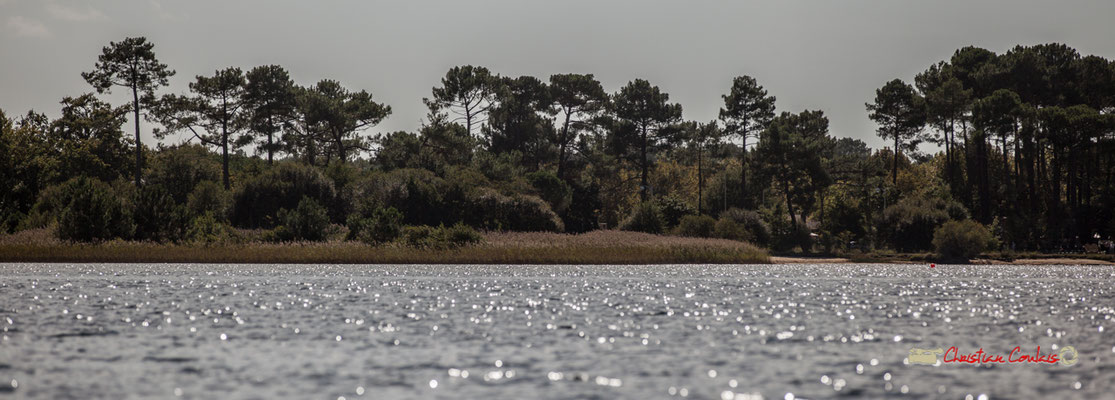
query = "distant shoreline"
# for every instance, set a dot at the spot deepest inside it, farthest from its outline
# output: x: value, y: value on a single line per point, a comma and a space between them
x: 598, y: 247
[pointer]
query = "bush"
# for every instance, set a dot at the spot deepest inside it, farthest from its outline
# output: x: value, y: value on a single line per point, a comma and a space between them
x: 309, y: 221
x: 673, y: 209
x: 532, y: 214
x: 581, y: 215
x: 418, y: 194
x: 209, y: 198
x: 157, y: 217
x: 93, y: 213
x: 441, y: 237
x: 696, y: 226
x: 257, y: 203
x: 47, y: 207
x: 207, y: 229
x: 383, y: 225
x: 962, y: 240
x: 909, y: 225
x: 789, y: 235
x: 646, y: 218
x: 461, y: 235
x: 743, y: 225
x: 524, y: 213
x: 179, y: 169
x: 551, y: 189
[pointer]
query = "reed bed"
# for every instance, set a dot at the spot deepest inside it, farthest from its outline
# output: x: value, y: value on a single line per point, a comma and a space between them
x: 600, y: 247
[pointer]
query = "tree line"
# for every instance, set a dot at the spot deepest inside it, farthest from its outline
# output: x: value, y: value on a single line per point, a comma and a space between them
x: 1026, y: 139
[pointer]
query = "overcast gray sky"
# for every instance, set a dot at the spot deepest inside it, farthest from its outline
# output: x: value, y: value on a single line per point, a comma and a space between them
x: 827, y: 55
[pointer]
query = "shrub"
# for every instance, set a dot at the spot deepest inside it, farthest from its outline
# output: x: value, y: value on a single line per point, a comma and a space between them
x: 909, y: 225
x: 696, y: 226
x: 256, y: 204
x: 673, y: 208
x: 789, y: 235
x: 551, y: 189
x: 844, y: 214
x: 440, y: 237
x: 309, y: 221
x: 93, y: 213
x: 179, y: 169
x: 157, y: 217
x: 461, y: 235
x: 418, y: 194
x: 646, y: 218
x: 962, y: 240
x: 727, y: 228
x: 491, y: 210
x: 207, y: 229
x: 581, y: 215
x: 209, y: 198
x: 743, y: 225
x: 532, y: 214
x: 383, y: 225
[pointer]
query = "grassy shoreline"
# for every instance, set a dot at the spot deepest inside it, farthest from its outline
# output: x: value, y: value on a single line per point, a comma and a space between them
x: 602, y: 247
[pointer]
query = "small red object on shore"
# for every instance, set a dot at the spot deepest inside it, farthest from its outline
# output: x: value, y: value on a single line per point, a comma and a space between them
x: 932, y: 265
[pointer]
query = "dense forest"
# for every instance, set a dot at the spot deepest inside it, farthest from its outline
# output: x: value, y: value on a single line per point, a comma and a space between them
x: 1026, y: 155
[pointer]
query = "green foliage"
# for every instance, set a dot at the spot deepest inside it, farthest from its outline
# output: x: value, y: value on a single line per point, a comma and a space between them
x: 256, y: 204
x: 909, y: 225
x: 673, y: 208
x: 900, y: 112
x: 467, y: 91
x: 843, y: 214
x: 791, y: 154
x: 584, y: 208
x: 341, y: 113
x: 518, y: 120
x: 645, y: 124
x: 209, y: 197
x: 213, y: 114
x: 646, y: 218
x: 702, y: 226
x: 962, y: 240
x: 179, y: 169
x: 428, y: 237
x: 89, y: 140
x: 269, y: 101
x: 157, y: 217
x: 92, y: 213
x: 131, y: 64
x: 523, y: 213
x: 551, y: 189
x: 206, y: 229
x: 308, y: 222
x: 381, y: 226
x: 743, y: 225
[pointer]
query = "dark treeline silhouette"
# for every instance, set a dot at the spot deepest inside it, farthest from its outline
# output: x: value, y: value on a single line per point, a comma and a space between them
x: 1026, y: 141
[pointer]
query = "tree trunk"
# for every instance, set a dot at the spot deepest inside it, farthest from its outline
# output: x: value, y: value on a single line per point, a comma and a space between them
x: 224, y: 147
x: 700, y: 182
x: 139, y: 144
x: 340, y: 146
x: 645, y: 184
x: 897, y: 152
x: 563, y: 146
x: 743, y: 203
x: 270, y: 143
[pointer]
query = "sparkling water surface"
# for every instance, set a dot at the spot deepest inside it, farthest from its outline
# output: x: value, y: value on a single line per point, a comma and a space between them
x: 458, y: 331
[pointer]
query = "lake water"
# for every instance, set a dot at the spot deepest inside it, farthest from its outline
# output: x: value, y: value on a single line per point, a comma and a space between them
x: 688, y: 331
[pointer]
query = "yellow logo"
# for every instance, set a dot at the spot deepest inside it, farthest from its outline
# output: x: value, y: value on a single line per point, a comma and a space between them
x: 924, y: 356
x: 1069, y: 350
